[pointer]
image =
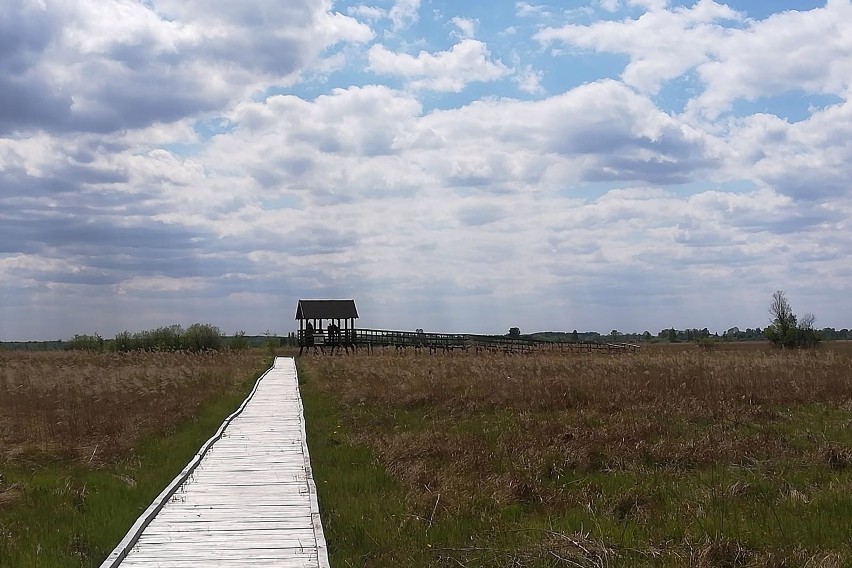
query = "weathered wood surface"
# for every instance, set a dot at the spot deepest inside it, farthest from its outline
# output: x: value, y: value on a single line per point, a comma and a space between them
x: 249, y: 499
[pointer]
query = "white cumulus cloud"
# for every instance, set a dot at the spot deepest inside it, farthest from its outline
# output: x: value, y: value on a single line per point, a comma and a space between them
x: 466, y: 62
x: 465, y: 27
x: 656, y: 41
x: 404, y: 13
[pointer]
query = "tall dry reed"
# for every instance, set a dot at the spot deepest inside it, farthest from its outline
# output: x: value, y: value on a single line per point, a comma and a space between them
x: 94, y: 407
x: 511, y: 426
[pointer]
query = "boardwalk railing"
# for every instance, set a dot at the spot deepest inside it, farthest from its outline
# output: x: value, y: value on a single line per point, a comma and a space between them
x: 373, y: 338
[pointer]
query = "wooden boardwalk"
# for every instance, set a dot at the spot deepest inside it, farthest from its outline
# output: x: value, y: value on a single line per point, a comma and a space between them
x: 248, y: 498
x: 370, y: 339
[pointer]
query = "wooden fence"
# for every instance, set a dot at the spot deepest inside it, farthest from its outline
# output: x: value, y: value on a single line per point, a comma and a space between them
x: 372, y: 339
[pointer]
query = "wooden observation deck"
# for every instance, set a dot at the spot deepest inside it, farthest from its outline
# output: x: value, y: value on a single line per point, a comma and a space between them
x: 312, y: 336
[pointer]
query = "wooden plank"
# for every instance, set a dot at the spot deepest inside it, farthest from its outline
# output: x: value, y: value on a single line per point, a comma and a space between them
x: 248, y: 498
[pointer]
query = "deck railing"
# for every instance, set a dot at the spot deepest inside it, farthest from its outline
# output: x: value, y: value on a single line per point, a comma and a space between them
x: 372, y: 338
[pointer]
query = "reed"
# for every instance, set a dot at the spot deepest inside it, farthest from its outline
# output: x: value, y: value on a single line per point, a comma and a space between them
x: 88, y: 439
x: 672, y: 457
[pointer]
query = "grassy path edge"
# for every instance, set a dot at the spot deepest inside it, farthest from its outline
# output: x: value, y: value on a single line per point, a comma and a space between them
x: 360, y: 503
x: 135, y: 531
x: 72, y: 516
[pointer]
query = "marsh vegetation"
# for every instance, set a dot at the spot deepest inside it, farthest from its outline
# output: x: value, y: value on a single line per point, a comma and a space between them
x: 670, y: 457
x: 88, y: 439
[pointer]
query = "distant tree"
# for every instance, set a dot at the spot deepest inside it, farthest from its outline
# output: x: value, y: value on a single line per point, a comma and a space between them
x: 123, y: 342
x: 239, y: 342
x: 646, y: 337
x: 806, y: 334
x: 786, y: 330
x: 202, y: 337
x: 672, y: 335
x: 575, y: 337
x: 782, y: 330
x: 514, y: 332
x: 86, y: 343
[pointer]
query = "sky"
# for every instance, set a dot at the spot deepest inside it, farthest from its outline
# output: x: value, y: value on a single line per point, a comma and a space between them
x: 451, y: 165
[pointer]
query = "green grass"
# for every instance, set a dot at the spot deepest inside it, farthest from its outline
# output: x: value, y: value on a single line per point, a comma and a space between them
x: 425, y: 461
x: 359, y: 501
x: 68, y: 515
x: 369, y: 519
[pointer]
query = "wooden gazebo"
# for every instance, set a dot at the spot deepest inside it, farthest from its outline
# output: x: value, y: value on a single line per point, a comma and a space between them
x: 340, y: 315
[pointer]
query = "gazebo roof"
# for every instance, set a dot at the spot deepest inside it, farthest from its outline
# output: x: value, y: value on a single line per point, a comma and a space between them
x: 326, y: 309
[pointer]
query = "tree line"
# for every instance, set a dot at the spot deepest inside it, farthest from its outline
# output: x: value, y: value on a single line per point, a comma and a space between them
x: 198, y: 337
x: 786, y: 330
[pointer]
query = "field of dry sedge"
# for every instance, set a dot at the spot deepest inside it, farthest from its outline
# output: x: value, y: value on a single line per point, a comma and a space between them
x: 93, y: 408
x: 670, y: 457
x: 87, y: 440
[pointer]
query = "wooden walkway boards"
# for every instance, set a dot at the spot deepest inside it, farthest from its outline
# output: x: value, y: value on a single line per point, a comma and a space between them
x: 248, y: 498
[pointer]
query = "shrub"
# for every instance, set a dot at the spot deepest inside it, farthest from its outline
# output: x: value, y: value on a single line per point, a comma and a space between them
x: 86, y: 343
x: 197, y: 337
x: 238, y: 342
x: 786, y: 330
x: 123, y: 342
x: 202, y: 337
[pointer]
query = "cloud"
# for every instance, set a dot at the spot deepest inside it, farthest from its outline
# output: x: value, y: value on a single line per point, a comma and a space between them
x: 511, y: 150
x: 808, y: 160
x: 650, y: 5
x: 465, y: 27
x: 654, y: 41
x: 375, y: 143
x: 369, y: 13
x: 610, y: 5
x: 466, y: 62
x: 529, y: 80
x: 527, y: 10
x: 103, y: 67
x: 27, y: 96
x: 404, y: 13
x: 625, y: 136
x: 745, y: 63
x: 732, y: 56
x: 477, y: 215
x: 193, y: 161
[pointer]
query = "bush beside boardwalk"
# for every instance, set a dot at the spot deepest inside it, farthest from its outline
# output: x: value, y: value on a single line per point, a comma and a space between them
x: 197, y: 337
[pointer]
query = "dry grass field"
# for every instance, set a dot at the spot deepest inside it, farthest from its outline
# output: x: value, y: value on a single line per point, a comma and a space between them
x: 92, y: 407
x: 88, y: 439
x: 671, y: 457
